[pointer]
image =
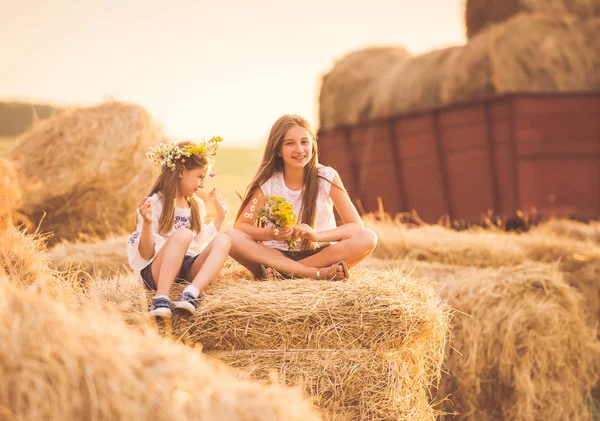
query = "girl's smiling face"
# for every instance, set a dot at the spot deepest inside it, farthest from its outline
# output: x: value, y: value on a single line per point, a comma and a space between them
x: 297, y: 147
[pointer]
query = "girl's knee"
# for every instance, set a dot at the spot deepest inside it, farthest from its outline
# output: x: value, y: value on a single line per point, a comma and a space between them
x: 368, y: 238
x: 222, y: 241
x: 235, y: 236
x: 183, y: 235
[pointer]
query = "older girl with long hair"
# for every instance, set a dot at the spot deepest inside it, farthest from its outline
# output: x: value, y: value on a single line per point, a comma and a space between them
x: 290, y: 169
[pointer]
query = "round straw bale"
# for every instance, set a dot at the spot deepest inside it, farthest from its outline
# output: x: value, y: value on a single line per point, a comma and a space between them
x: 56, y: 365
x: 22, y: 260
x: 85, y: 169
x: 410, y: 85
x: 479, y: 14
x: 11, y: 197
x: 347, y: 384
x: 379, y: 311
x: 522, y: 350
x: 345, y: 95
x: 532, y: 53
x: 591, y: 31
x: 101, y: 258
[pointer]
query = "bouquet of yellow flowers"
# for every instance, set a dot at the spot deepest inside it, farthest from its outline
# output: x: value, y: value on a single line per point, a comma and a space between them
x: 280, y: 213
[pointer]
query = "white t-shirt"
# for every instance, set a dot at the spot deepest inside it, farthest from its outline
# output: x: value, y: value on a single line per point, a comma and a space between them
x: 182, y: 219
x: 325, y: 218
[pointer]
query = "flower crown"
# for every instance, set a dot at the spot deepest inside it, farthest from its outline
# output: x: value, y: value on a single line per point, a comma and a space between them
x: 167, y: 154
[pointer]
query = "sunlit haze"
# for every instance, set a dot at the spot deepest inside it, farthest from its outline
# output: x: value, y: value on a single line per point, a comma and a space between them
x: 227, y: 68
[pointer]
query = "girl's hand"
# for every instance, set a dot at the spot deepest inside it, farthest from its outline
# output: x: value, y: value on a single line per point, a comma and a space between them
x: 304, y: 231
x: 217, y: 202
x: 145, y: 208
x: 281, y: 234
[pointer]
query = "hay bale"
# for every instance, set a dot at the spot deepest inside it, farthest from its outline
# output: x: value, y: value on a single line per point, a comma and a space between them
x: 86, y: 169
x: 376, y: 311
x: 523, y: 350
x: 345, y: 95
x: 347, y: 384
x: 483, y: 248
x: 527, y: 53
x: 22, y: 260
x: 57, y: 366
x: 102, y: 258
x: 11, y: 193
x: 434, y: 243
x: 519, y: 341
x: 410, y: 85
x: 479, y: 14
x: 591, y: 31
x: 575, y: 230
x: 579, y: 261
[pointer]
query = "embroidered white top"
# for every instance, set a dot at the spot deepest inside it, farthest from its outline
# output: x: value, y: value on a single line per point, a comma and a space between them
x: 182, y: 219
x: 325, y: 219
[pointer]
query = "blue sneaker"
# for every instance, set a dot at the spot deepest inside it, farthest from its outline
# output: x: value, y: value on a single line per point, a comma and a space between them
x: 161, y: 307
x: 187, y: 302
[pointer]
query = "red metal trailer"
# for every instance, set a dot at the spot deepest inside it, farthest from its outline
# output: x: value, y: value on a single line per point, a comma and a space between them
x: 504, y: 154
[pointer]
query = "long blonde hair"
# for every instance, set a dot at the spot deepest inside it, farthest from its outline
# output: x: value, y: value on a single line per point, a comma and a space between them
x: 166, y: 187
x: 272, y: 162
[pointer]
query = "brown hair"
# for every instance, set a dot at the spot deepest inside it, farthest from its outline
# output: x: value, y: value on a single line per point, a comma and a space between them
x: 272, y: 163
x: 166, y: 186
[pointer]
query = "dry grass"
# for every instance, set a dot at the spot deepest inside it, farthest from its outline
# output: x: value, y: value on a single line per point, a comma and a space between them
x: 85, y: 169
x: 591, y: 31
x: 487, y: 248
x: 521, y: 346
x: 349, y: 385
x: 410, y: 85
x: 345, y: 96
x: 479, y: 14
x: 366, y: 349
x: 575, y: 230
x: 523, y: 350
x: 57, y: 365
x: 22, y: 260
x: 377, y: 311
x: 99, y: 259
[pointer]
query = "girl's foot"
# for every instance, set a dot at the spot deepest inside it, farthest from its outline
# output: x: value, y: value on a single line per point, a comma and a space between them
x: 186, y: 302
x: 267, y: 273
x: 160, y: 307
x: 336, y: 272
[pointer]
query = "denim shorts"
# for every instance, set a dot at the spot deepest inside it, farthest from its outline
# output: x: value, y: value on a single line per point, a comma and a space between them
x: 182, y: 276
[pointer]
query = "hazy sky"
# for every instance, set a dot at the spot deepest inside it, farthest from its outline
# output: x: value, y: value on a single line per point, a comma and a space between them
x: 201, y: 68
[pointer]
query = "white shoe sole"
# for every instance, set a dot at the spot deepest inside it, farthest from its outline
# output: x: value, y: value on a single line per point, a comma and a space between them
x: 161, y: 312
x: 184, y: 305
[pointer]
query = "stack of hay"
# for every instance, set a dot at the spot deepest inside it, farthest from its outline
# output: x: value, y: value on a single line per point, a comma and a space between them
x: 85, y: 170
x: 479, y: 14
x: 536, y: 48
x: 57, y: 365
x: 524, y: 341
x: 370, y: 348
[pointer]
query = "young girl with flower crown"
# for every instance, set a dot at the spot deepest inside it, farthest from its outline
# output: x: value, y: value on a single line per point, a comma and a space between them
x: 172, y: 241
x: 290, y: 170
